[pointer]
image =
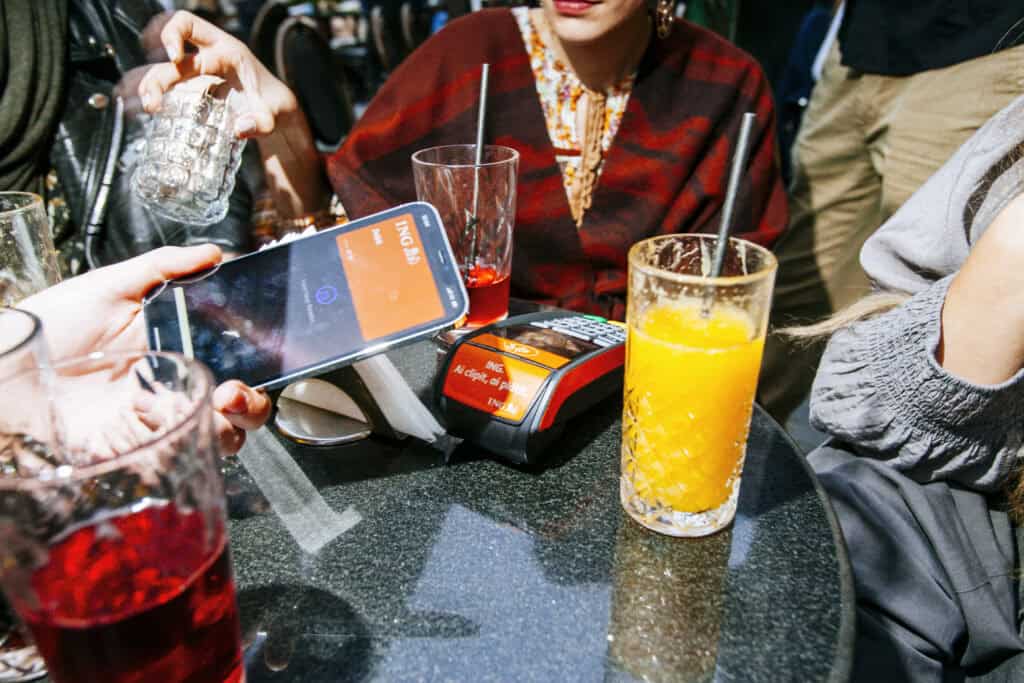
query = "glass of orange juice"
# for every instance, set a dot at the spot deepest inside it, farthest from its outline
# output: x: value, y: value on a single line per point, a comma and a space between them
x: 693, y: 354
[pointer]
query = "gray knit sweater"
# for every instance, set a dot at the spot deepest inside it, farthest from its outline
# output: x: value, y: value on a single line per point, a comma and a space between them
x: 879, y: 387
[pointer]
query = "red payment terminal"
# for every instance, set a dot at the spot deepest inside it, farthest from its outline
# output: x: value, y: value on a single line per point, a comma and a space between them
x: 510, y: 387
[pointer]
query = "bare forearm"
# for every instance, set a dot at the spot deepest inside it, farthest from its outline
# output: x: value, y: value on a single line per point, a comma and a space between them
x: 293, y: 168
x: 979, y: 340
x: 983, y: 316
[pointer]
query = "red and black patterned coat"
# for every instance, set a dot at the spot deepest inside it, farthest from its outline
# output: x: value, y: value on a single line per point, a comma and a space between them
x: 665, y: 172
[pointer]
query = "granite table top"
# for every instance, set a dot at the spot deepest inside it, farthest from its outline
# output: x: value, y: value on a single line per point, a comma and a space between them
x: 385, y: 560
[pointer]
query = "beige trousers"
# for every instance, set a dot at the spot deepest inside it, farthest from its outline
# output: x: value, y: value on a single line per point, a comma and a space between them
x: 865, y: 145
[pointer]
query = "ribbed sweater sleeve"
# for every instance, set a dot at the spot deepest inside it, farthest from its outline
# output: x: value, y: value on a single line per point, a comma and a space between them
x: 879, y: 386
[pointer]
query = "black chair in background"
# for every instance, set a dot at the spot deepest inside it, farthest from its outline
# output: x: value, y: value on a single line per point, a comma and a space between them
x: 457, y: 8
x: 303, y: 59
x: 415, y: 25
x: 386, y: 35
x: 268, y: 20
x: 353, y: 54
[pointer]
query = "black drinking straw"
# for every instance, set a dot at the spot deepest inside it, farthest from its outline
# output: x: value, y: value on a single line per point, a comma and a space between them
x: 472, y: 222
x: 739, y: 158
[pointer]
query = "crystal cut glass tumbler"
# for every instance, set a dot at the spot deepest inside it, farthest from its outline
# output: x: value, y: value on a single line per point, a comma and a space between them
x: 192, y: 153
x: 693, y: 353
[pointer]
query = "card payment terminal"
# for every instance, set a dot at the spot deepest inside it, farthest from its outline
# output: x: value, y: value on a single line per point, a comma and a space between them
x: 509, y: 387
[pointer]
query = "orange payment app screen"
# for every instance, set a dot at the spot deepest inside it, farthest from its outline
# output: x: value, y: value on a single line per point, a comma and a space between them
x: 389, y: 277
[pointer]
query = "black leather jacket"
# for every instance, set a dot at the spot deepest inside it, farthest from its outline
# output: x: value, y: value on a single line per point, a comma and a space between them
x: 98, y: 143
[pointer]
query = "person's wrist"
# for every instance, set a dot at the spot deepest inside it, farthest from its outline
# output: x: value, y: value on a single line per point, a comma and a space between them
x: 282, y: 101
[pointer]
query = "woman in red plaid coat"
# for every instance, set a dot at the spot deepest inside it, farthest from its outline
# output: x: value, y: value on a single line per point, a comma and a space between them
x: 624, y: 119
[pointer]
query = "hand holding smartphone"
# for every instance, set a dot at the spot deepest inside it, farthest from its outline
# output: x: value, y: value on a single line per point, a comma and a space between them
x: 308, y: 306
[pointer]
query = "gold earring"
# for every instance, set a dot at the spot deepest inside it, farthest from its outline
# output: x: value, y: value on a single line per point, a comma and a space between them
x: 664, y: 16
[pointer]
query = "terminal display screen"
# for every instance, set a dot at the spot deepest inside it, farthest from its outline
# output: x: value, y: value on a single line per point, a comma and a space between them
x: 494, y: 383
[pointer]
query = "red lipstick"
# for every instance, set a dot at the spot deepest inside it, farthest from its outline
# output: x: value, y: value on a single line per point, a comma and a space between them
x: 572, y: 8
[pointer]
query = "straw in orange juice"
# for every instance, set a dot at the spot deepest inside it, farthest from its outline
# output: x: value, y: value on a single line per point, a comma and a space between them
x: 690, y: 381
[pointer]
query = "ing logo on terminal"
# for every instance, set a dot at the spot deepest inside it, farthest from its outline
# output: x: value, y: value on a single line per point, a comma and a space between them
x: 520, y: 349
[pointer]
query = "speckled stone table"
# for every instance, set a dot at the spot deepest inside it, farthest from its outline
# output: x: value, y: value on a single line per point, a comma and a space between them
x: 465, y: 569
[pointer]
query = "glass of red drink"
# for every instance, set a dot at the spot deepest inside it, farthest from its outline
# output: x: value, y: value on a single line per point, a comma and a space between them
x: 113, y: 540
x: 477, y: 202
x: 22, y: 347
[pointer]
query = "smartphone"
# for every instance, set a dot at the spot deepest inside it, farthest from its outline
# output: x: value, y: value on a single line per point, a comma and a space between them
x: 316, y: 303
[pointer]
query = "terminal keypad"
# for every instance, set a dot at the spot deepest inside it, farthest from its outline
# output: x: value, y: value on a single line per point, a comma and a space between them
x: 588, y: 328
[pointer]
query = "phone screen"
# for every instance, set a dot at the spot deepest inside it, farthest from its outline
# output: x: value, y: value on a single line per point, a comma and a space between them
x: 274, y: 315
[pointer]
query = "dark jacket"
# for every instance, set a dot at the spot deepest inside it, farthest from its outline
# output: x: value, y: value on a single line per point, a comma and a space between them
x: 97, y: 143
x: 905, y: 37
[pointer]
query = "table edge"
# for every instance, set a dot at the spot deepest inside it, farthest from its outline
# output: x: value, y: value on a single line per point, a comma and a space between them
x: 841, y: 666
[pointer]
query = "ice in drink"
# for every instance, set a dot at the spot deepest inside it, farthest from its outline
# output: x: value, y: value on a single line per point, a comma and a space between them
x: 146, y: 595
x: 691, y: 373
